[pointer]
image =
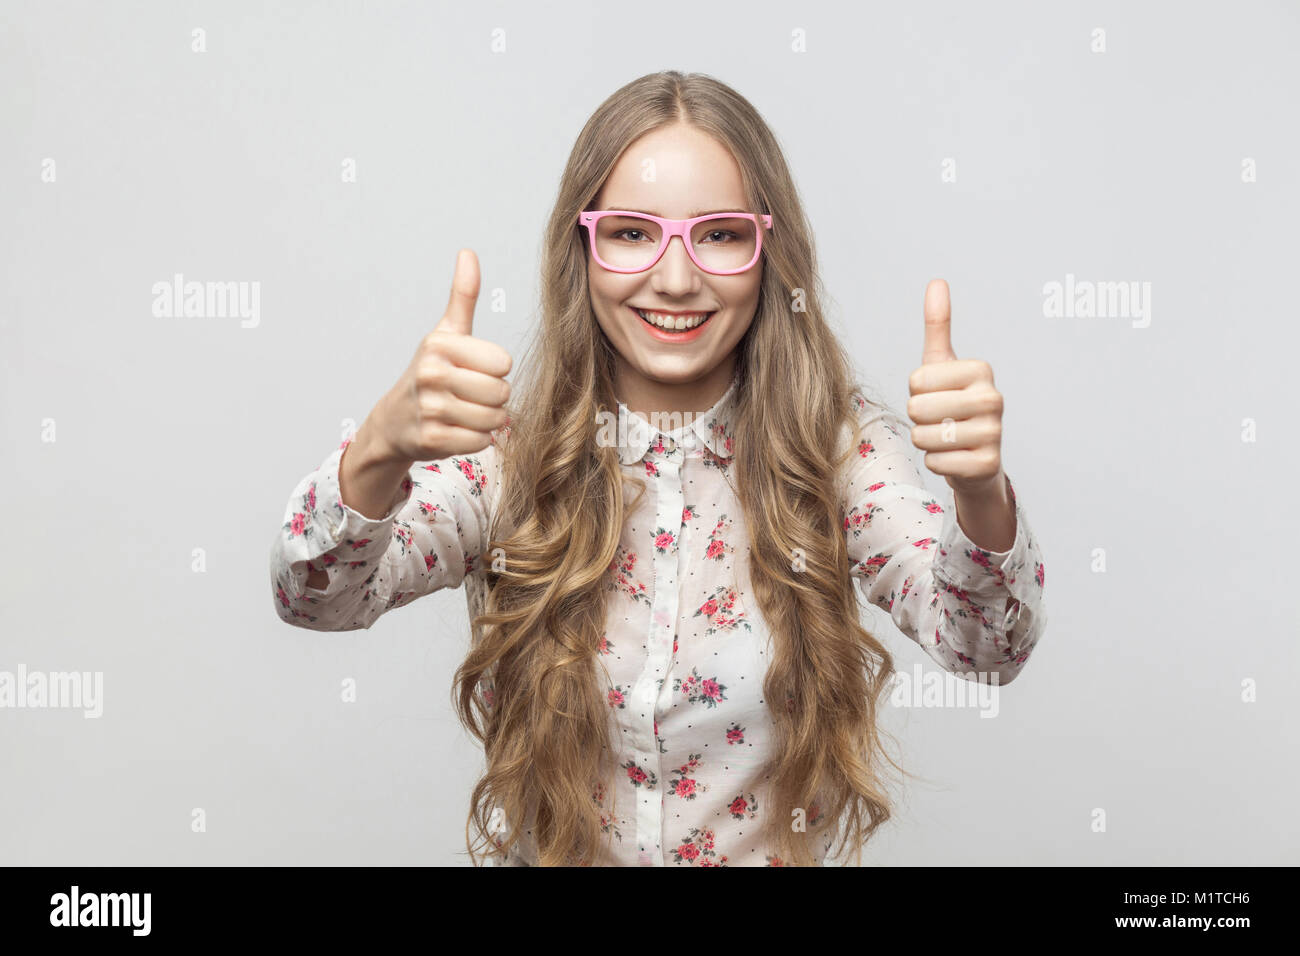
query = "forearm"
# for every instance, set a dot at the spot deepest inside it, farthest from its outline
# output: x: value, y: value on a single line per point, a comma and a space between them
x: 987, y: 514
x: 368, y: 481
x: 370, y: 476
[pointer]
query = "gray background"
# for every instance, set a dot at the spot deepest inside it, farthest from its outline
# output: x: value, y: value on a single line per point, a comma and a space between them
x: 175, y: 434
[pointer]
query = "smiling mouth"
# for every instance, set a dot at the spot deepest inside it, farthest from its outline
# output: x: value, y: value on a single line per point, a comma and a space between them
x: 671, y: 323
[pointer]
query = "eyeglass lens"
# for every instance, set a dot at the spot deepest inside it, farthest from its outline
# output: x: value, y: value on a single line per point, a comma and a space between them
x: 631, y: 242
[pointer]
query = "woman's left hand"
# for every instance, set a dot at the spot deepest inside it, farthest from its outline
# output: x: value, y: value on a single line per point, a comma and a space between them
x: 957, y: 410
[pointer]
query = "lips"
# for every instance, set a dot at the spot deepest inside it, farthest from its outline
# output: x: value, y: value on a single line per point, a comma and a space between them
x: 692, y: 317
x: 684, y: 337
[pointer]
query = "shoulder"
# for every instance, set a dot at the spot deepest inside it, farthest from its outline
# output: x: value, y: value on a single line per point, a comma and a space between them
x: 871, y: 423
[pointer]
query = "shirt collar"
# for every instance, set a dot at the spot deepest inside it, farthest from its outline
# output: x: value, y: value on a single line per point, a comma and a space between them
x: 711, y: 428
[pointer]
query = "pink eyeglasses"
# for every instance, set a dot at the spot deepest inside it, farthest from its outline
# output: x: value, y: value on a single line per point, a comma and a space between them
x: 721, y: 243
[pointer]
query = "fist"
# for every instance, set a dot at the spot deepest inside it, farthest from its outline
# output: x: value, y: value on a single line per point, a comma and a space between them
x: 454, y: 392
x: 957, y: 411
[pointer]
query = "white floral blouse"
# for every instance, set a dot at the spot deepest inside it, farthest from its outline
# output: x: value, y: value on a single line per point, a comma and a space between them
x: 685, y: 649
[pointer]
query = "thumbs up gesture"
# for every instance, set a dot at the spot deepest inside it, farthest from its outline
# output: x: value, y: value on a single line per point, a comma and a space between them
x: 957, y: 411
x: 453, y: 393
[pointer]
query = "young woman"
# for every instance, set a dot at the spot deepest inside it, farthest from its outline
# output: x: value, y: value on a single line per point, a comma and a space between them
x: 661, y: 535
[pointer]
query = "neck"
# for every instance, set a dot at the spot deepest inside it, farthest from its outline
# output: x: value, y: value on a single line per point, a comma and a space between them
x: 647, y: 397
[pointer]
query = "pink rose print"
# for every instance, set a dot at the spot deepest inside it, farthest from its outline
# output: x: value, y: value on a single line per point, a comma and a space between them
x: 699, y: 690
x: 470, y: 468
x: 616, y: 697
x: 621, y: 568
x: 859, y: 518
x: 682, y: 784
x: 718, y: 431
x: 720, y: 612
x: 638, y: 777
x: 664, y: 539
x: 698, y: 848
x: 298, y: 524
x: 743, y: 807
x: 718, y: 547
x: 870, y: 567
x: 735, y: 734
x: 606, y: 819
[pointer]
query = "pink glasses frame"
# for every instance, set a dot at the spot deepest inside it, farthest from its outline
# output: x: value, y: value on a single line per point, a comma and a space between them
x: 673, y: 227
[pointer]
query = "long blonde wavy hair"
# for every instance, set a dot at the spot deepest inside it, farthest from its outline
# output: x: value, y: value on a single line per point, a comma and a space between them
x: 561, y: 508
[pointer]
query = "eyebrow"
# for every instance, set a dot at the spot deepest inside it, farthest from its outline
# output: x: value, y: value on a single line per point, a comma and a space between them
x: 697, y: 213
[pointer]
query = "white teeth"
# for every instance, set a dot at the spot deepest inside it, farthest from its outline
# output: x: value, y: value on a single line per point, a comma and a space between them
x: 676, y: 323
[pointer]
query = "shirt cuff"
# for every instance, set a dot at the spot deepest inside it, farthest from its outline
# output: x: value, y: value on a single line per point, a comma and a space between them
x: 340, y: 524
x: 967, y: 566
x: 990, y: 577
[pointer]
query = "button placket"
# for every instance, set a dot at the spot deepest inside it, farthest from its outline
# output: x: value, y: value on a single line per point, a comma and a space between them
x: 659, y: 645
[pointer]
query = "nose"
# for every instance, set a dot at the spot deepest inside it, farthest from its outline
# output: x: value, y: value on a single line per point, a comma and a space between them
x: 675, y: 273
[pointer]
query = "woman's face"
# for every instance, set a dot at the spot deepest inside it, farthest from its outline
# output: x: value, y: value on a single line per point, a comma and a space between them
x: 689, y: 174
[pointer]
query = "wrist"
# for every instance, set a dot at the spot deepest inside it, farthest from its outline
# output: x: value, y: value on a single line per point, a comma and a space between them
x: 372, y: 450
x: 993, y: 489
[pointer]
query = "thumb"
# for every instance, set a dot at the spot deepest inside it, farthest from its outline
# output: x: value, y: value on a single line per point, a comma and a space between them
x: 938, y: 324
x: 459, y: 317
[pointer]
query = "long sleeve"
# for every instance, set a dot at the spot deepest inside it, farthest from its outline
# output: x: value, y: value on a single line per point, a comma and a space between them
x: 970, y: 609
x: 434, y: 530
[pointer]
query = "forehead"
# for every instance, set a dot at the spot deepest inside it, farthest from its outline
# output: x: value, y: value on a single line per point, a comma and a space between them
x: 675, y: 171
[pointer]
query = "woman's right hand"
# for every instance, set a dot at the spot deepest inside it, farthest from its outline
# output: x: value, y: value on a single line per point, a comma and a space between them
x: 446, y: 403
x: 454, y: 391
